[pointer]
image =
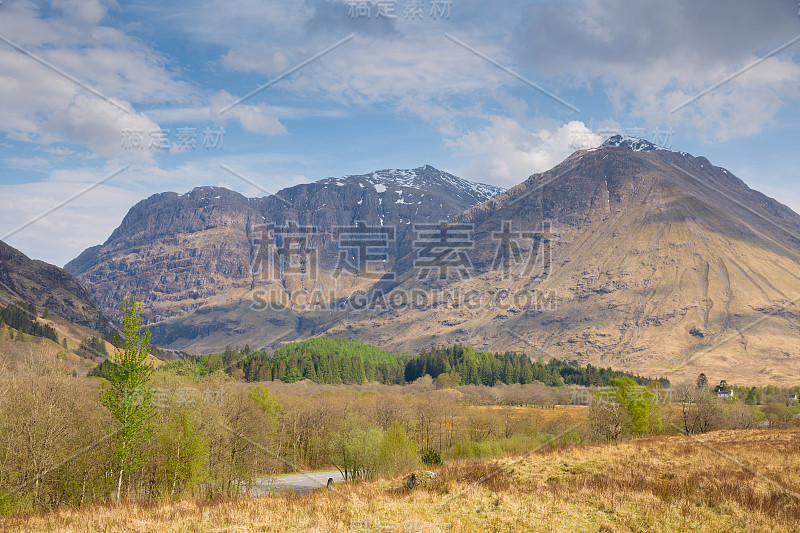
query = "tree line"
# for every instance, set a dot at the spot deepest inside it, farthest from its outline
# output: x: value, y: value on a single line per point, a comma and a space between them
x: 22, y: 317
x: 333, y: 361
x: 462, y: 365
x: 322, y: 360
x: 326, y: 360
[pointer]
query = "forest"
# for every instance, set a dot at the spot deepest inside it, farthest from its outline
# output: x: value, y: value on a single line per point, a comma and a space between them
x: 326, y: 360
x: 333, y: 361
x: 469, y: 367
x: 22, y: 317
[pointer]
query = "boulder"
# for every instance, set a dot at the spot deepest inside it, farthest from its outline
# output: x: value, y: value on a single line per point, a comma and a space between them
x: 420, y: 477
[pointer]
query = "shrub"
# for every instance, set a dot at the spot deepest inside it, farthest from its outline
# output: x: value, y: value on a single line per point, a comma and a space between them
x: 432, y: 457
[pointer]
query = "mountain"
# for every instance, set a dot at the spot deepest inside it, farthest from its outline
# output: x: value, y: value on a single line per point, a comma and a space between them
x: 627, y: 255
x: 190, y: 257
x: 48, y: 287
x: 660, y: 263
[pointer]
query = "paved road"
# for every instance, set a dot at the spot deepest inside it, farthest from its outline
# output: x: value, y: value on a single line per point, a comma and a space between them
x: 295, y: 482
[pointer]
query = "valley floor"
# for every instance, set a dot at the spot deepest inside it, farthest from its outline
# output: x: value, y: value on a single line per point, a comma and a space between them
x: 733, y: 480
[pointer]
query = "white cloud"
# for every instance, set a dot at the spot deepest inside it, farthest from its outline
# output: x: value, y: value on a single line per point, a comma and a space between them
x: 419, y: 70
x: 84, y: 12
x: 41, y: 106
x: 59, y: 237
x: 255, y: 118
x: 91, y: 218
x: 506, y: 152
x: 262, y: 58
x: 653, y: 56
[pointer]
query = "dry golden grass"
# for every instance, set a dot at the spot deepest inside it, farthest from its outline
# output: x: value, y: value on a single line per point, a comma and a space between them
x: 740, y: 480
x: 569, y: 413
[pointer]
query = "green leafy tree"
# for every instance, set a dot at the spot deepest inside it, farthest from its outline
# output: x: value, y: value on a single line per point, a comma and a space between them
x: 640, y: 404
x: 128, y: 394
x: 753, y: 396
x: 181, y: 452
x: 396, y: 451
x: 355, y: 452
x: 268, y: 403
x: 635, y: 402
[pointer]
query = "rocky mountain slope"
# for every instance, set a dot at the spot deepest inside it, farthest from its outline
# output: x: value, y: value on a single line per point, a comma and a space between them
x: 626, y: 255
x: 48, y: 287
x: 661, y: 263
x: 190, y: 258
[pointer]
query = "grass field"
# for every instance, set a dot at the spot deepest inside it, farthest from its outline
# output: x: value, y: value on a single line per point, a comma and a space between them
x: 568, y: 413
x: 738, y: 480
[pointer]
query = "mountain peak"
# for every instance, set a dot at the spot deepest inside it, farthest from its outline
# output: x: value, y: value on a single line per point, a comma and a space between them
x: 632, y: 143
x: 425, y: 178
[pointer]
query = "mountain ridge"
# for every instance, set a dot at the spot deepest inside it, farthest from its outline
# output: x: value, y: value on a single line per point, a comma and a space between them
x: 662, y: 264
x: 48, y: 287
x: 179, y: 251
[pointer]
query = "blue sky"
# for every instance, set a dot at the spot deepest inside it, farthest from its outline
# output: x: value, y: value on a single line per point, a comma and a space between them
x: 398, y: 94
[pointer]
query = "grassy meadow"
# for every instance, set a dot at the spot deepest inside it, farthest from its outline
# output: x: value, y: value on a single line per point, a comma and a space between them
x: 729, y: 480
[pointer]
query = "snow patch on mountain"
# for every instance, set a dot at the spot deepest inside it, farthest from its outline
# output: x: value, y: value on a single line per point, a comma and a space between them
x: 632, y: 143
x: 422, y: 179
x: 636, y: 144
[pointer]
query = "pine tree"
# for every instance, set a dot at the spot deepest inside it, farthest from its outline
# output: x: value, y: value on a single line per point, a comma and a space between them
x: 128, y: 394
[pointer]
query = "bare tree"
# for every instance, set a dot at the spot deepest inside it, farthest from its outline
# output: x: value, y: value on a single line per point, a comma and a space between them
x: 700, y: 410
x: 607, y: 417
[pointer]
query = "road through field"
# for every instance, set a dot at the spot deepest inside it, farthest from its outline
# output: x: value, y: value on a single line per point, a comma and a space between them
x: 295, y: 482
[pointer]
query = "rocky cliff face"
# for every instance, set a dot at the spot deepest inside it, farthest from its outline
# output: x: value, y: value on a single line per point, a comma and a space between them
x: 182, y: 253
x: 47, y: 286
x: 660, y: 263
x: 626, y: 255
